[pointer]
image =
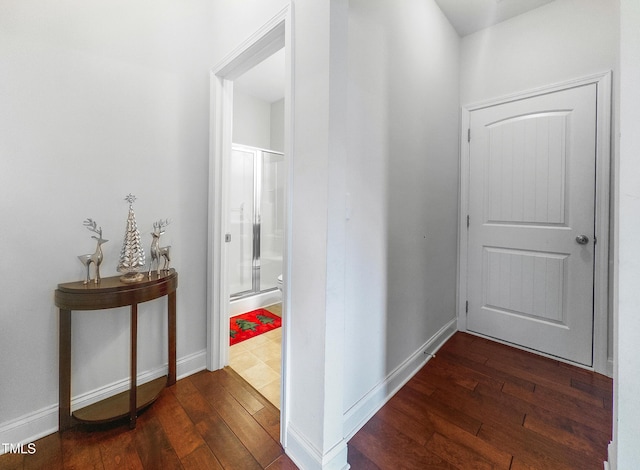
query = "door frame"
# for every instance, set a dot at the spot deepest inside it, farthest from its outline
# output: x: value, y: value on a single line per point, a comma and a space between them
x: 601, y: 300
x: 271, y: 37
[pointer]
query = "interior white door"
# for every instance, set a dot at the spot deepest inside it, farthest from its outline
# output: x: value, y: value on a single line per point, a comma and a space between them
x: 531, y: 222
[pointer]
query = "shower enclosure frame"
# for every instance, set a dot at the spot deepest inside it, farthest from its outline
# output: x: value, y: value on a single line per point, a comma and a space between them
x: 256, y: 238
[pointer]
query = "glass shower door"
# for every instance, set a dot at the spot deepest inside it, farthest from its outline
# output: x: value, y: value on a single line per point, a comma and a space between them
x: 271, y: 219
x: 242, y: 217
x: 256, y: 219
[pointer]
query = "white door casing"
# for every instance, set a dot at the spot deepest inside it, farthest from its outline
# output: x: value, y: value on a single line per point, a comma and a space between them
x: 529, y: 179
x: 271, y: 37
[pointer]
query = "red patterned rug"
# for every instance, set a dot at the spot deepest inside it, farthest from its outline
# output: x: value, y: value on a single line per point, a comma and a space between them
x: 252, y: 324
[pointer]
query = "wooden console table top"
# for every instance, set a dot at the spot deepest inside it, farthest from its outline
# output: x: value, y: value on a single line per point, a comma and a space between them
x: 111, y: 292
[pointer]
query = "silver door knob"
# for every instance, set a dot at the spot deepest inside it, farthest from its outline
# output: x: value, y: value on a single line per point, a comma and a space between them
x: 582, y: 239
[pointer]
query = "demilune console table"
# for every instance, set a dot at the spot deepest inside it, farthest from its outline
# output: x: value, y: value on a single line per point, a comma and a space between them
x: 112, y: 293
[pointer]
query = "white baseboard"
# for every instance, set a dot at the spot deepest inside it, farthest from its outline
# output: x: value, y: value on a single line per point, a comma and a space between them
x: 367, y: 406
x: 306, y: 456
x: 261, y: 300
x: 610, y: 368
x: 189, y: 365
x: 611, y: 464
x: 32, y: 426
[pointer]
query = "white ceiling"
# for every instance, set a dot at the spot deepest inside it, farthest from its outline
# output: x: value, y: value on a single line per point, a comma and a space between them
x: 266, y: 80
x: 469, y: 16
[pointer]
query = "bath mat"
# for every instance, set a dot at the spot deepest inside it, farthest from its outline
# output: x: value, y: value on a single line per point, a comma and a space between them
x: 252, y: 324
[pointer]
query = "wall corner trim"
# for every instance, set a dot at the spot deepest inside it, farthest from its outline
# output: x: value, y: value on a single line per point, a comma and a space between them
x: 305, y: 455
x: 610, y: 463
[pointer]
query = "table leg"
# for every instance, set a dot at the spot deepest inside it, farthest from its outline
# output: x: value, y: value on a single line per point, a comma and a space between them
x: 64, y: 371
x: 134, y: 367
x: 171, y: 299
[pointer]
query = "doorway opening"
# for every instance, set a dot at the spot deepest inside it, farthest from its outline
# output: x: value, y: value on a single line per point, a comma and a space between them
x: 255, y: 243
x: 255, y: 229
x: 258, y: 153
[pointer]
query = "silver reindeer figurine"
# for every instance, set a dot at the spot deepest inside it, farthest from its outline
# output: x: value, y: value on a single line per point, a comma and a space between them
x: 96, y: 256
x: 158, y: 251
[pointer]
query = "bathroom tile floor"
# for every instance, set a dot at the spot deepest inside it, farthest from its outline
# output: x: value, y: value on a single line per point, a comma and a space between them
x: 257, y: 360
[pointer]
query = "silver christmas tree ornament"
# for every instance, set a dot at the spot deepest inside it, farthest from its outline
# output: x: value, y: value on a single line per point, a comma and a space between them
x: 132, y: 254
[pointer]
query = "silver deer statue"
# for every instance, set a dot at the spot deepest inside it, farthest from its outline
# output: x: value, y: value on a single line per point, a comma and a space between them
x: 96, y: 256
x: 158, y: 251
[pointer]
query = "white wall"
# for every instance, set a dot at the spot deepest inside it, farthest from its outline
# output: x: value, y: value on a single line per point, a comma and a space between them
x: 316, y: 280
x: 560, y: 41
x: 401, y: 250
x: 277, y: 125
x: 258, y: 123
x: 99, y: 99
x: 251, y: 121
x: 625, y: 452
x: 314, y: 412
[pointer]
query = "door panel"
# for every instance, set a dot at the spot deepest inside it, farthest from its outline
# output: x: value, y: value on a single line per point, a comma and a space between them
x: 272, y: 219
x: 526, y: 169
x: 241, y: 203
x: 525, y: 283
x: 531, y: 193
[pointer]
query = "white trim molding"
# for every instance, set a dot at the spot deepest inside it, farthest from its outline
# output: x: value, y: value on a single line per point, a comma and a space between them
x: 32, y: 426
x: 361, y: 412
x: 601, y: 362
x: 273, y: 36
x: 610, y: 464
x: 305, y: 455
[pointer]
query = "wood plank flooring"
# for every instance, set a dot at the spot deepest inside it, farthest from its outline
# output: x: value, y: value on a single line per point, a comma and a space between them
x: 210, y: 420
x: 476, y: 405
x: 480, y: 405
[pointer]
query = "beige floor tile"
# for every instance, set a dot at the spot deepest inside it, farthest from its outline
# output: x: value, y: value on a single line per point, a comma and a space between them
x: 275, y: 364
x: 255, y: 342
x: 260, y: 375
x: 239, y: 346
x: 243, y: 360
x: 274, y: 335
x: 266, y: 351
x: 258, y: 360
x: 275, y: 309
x: 271, y: 392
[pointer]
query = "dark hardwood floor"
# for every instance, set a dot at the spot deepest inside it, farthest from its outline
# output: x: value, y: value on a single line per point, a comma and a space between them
x: 210, y: 420
x: 476, y: 405
x: 479, y: 405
